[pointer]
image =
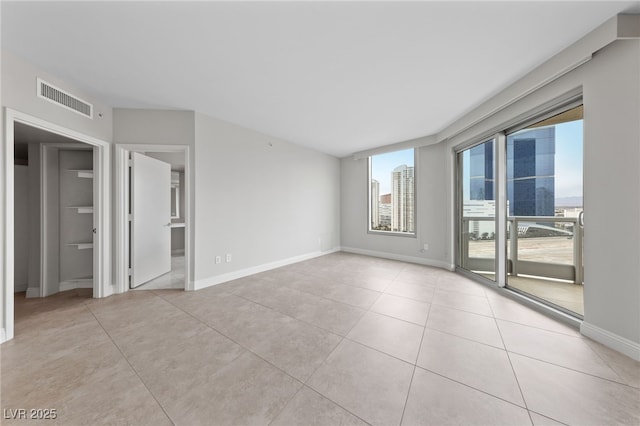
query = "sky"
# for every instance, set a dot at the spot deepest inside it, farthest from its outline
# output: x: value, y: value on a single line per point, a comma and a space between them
x: 568, y: 161
x: 382, y: 165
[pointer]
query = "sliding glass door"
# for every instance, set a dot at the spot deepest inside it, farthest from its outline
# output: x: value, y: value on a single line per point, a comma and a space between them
x: 536, y: 234
x: 477, y: 212
x: 545, y: 209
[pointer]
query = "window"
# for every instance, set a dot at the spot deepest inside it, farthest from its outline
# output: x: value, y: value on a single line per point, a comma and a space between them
x: 392, y: 192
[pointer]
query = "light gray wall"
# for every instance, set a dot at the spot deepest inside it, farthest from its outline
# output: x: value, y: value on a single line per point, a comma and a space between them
x: 611, y: 90
x: 430, y: 215
x: 19, y: 93
x: 260, y: 198
x: 21, y: 228
x: 159, y: 127
x: 612, y: 189
x: 18, y: 83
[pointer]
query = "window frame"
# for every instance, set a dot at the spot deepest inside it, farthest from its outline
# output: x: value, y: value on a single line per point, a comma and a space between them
x: 413, y: 234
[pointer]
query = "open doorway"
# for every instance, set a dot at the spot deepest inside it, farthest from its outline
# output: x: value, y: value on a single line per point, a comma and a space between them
x: 152, y: 222
x: 56, y: 213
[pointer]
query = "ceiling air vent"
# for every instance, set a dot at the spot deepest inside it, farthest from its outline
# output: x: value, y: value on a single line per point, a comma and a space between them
x: 64, y: 99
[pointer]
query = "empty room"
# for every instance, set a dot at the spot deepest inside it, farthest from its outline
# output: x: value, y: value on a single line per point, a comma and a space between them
x: 320, y: 213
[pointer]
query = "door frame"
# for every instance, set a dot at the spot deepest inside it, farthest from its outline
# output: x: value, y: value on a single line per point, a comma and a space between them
x: 122, y: 249
x: 46, y: 222
x: 102, y: 214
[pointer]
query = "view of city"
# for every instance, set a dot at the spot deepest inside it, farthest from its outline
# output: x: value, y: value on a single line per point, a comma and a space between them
x: 544, y: 227
x: 536, y: 186
x: 392, y: 188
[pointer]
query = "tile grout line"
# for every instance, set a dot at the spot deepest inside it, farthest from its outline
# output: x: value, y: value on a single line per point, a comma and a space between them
x: 415, y: 365
x: 574, y: 370
x: 513, y: 370
x: 544, y: 415
x: 131, y: 366
x: 287, y: 315
x: 326, y: 298
x: 231, y: 339
x: 268, y: 362
x: 472, y: 387
x: 615, y: 371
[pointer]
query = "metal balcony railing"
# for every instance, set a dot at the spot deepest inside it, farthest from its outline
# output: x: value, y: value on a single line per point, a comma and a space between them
x: 541, y: 246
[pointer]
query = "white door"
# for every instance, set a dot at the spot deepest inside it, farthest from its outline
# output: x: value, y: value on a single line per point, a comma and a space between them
x: 151, y: 218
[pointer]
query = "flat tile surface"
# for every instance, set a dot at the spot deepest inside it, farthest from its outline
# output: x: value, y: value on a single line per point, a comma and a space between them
x: 366, y: 382
x: 572, y: 397
x: 436, y: 400
x: 477, y: 365
x: 392, y: 336
x: 568, y: 351
x: 339, y: 339
x: 312, y: 409
x: 465, y: 324
x: 402, y: 308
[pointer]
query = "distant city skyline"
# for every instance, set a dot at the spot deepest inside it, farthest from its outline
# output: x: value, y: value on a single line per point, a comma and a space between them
x: 568, y: 162
x: 382, y: 166
x: 392, y: 190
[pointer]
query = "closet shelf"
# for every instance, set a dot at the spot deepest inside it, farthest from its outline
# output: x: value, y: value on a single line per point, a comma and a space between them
x: 88, y: 174
x: 82, y: 209
x: 81, y: 246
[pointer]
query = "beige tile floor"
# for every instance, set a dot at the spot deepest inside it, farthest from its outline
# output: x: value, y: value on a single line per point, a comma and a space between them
x: 172, y: 279
x: 337, y: 340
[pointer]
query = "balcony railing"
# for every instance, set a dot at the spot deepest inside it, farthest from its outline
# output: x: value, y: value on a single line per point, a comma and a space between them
x: 542, y: 246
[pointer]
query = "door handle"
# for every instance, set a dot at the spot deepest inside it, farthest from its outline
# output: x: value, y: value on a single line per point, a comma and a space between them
x: 581, y: 218
x: 168, y: 224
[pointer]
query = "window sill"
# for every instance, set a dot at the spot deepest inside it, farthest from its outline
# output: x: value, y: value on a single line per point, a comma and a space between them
x: 393, y: 234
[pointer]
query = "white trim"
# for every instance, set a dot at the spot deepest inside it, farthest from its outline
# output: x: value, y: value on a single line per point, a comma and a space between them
x: 122, y: 207
x: 401, y: 257
x: 102, y: 214
x: 73, y: 284
x: 8, y: 247
x: 219, y: 279
x: 32, y: 292
x: 607, y: 338
x: 3, y: 335
x: 500, y: 179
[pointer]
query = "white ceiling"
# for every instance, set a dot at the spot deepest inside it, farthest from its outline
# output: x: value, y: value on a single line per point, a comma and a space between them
x: 338, y: 77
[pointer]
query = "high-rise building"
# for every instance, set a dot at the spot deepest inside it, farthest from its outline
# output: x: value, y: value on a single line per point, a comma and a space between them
x: 481, y: 172
x: 402, y: 199
x: 384, y: 211
x: 530, y: 172
x: 375, y: 203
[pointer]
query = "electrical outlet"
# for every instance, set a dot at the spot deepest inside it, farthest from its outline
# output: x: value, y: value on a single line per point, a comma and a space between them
x: 425, y: 247
x: 218, y: 259
x: 228, y: 257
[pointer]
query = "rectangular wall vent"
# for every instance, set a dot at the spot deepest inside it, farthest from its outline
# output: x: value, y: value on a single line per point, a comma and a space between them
x: 61, y: 98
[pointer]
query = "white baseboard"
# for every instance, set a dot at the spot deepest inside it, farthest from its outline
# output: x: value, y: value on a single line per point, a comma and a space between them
x: 73, y: 284
x: 33, y: 292
x: 219, y: 279
x: 618, y: 343
x: 401, y: 257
